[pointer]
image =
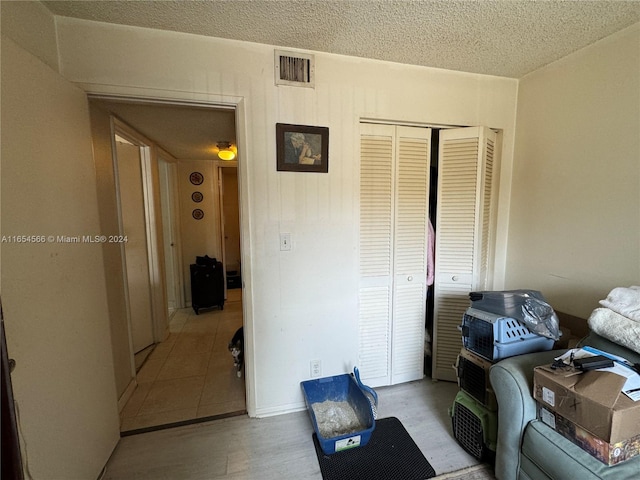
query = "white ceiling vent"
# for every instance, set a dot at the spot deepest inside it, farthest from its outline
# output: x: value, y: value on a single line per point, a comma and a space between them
x: 295, y: 69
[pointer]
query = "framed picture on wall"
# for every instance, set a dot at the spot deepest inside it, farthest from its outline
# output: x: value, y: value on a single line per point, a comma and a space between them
x: 302, y: 148
x: 196, y: 178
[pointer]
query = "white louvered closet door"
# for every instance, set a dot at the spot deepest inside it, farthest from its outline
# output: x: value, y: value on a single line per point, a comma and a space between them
x: 463, y: 227
x: 394, y: 193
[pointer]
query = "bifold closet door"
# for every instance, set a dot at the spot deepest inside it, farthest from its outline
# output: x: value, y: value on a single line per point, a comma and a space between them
x: 463, y: 227
x: 394, y: 193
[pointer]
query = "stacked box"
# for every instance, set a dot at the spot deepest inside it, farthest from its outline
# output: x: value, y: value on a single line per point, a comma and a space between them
x: 608, y: 452
x: 590, y: 410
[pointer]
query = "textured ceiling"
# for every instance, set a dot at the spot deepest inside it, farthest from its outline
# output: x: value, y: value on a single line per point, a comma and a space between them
x: 504, y: 37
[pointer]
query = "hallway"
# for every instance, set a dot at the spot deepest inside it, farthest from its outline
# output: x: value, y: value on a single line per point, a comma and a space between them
x: 191, y: 374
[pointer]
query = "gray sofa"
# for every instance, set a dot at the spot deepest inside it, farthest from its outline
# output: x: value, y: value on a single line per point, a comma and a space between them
x: 528, y: 449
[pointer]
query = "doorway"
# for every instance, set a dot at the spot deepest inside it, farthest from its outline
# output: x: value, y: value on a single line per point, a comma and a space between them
x: 230, y: 224
x: 169, y: 194
x: 128, y: 162
x: 190, y: 374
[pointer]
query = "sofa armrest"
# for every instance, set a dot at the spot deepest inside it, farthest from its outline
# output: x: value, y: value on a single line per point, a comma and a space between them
x: 512, y: 382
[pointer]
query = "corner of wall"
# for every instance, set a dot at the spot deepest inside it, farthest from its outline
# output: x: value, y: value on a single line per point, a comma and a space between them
x: 32, y: 26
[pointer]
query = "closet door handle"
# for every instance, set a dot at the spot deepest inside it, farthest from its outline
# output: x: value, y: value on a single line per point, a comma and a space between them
x: 454, y: 278
x: 409, y: 278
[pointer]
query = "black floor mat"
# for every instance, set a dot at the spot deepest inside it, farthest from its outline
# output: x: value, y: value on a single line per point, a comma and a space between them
x: 390, y: 454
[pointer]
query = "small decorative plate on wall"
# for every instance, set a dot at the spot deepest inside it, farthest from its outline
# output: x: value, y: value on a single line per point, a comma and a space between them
x: 197, y: 214
x: 196, y: 178
x: 197, y: 197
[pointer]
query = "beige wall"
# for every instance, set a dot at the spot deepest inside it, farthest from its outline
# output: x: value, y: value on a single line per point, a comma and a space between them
x: 53, y: 293
x: 574, y: 230
x: 31, y: 25
x: 299, y: 305
x: 198, y: 237
x: 573, y: 206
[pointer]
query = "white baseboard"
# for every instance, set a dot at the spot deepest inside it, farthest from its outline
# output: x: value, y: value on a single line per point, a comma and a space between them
x: 128, y: 392
x: 279, y: 410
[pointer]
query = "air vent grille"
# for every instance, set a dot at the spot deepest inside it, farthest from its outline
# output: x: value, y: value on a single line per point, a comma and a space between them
x: 294, y: 69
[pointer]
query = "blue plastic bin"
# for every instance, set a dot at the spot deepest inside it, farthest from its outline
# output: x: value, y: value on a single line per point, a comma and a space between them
x: 340, y: 388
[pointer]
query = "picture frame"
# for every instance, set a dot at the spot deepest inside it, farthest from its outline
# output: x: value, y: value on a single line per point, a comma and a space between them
x: 302, y: 148
x: 196, y: 178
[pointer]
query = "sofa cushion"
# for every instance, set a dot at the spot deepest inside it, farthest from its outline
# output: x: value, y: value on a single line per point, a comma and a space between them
x: 601, y: 343
x: 530, y: 471
x: 560, y: 459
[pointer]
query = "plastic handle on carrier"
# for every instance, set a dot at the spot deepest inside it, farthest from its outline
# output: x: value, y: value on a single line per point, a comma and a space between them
x: 364, y: 387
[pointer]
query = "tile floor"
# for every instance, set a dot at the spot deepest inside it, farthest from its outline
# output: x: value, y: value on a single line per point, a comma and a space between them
x: 191, y: 374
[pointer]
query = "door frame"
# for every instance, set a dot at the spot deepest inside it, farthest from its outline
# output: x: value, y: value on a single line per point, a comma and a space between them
x: 157, y: 297
x: 219, y: 165
x: 11, y: 451
x: 168, y: 182
x: 236, y: 103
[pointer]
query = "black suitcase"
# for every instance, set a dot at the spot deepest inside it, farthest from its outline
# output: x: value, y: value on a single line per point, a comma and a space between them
x: 207, y: 284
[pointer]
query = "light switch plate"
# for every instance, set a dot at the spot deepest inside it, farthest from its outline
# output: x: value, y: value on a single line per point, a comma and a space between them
x: 285, y: 241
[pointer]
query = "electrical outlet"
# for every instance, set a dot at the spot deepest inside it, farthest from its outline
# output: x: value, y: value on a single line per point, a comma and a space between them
x: 316, y: 368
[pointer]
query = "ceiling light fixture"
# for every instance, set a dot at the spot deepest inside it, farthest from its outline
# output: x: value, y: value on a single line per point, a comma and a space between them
x: 225, y: 152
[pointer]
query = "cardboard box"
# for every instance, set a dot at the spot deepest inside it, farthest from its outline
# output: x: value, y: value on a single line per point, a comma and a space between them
x: 592, y: 400
x: 608, y: 453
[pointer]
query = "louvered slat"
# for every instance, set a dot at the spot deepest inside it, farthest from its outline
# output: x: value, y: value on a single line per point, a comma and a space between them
x: 374, y: 331
x: 376, y: 255
x: 393, y: 205
x: 410, y: 254
x: 411, y: 205
x: 486, y: 216
x: 462, y: 236
x: 408, y: 333
x: 376, y: 187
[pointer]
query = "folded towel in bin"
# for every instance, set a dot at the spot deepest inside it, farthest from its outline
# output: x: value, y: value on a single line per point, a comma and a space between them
x: 625, y: 301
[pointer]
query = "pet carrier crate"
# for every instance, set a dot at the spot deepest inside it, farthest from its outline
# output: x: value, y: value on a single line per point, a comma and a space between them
x: 495, y: 337
x: 527, y: 306
x: 474, y: 427
x: 507, y: 303
x: 473, y: 377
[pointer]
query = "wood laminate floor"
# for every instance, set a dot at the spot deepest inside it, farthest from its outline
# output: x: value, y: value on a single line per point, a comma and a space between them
x: 281, y: 447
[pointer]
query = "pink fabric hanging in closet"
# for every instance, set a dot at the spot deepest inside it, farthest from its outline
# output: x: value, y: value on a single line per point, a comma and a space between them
x: 431, y: 246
